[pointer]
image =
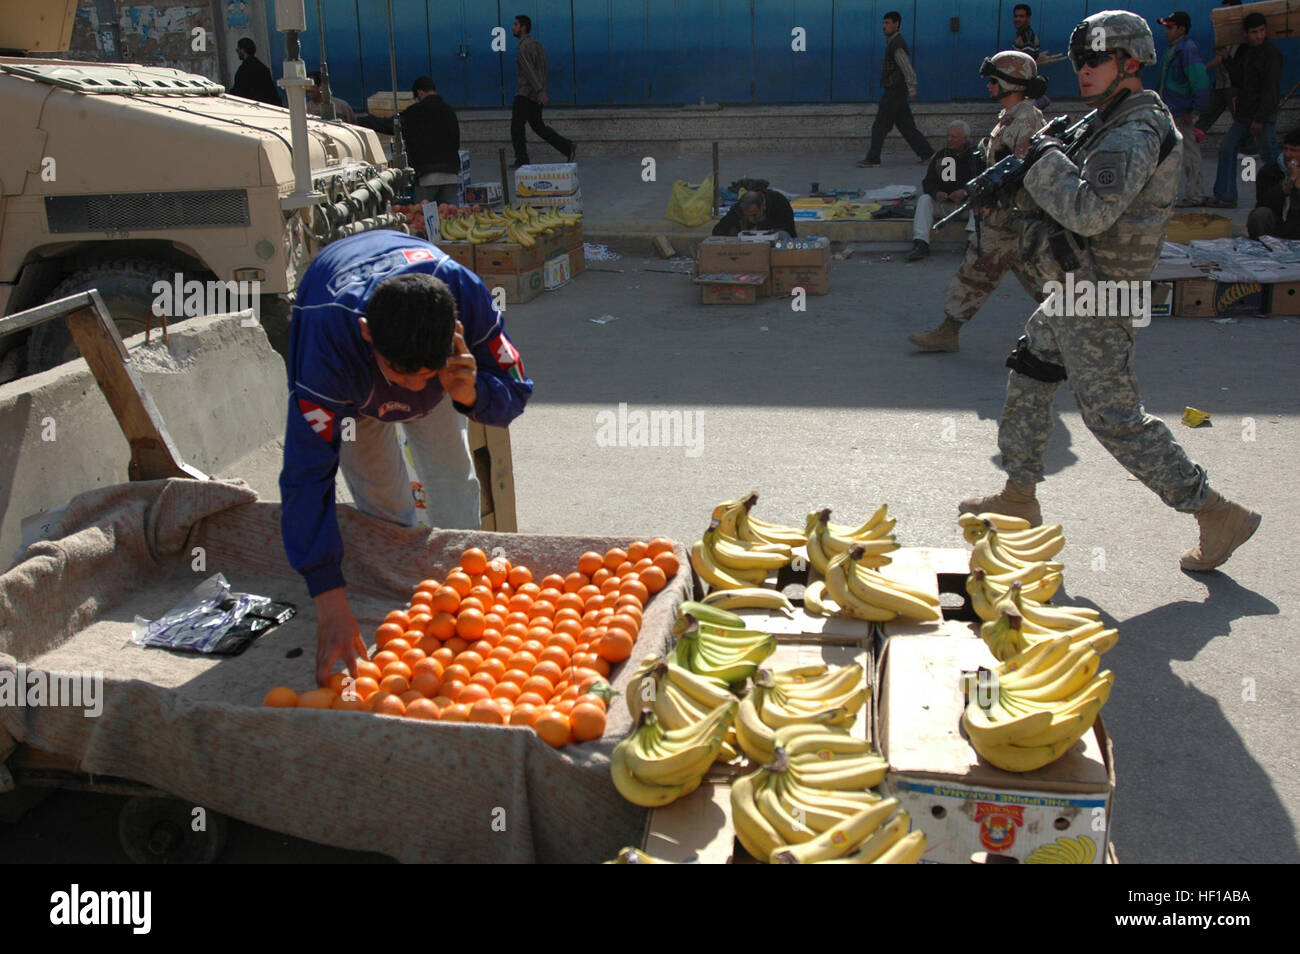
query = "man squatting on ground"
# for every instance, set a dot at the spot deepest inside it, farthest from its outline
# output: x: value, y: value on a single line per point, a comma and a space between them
x: 759, y: 210
x: 994, y: 249
x: 1118, y: 200
x: 385, y: 327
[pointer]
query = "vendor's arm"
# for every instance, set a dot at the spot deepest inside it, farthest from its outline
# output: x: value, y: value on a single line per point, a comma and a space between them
x: 729, y: 224
x: 1088, y: 201
x: 502, y: 387
x: 780, y: 213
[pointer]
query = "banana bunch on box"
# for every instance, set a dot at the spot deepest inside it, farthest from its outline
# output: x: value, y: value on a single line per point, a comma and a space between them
x: 810, y: 695
x: 826, y: 539
x: 813, y: 804
x: 852, y: 589
x: 1001, y: 552
x: 655, y: 766
x: 723, y: 655
x: 726, y: 563
x: 1007, y: 637
x: 477, y: 228
x: 691, y: 613
x: 635, y: 856
x: 1064, y: 851
x: 679, y: 698
x: 1030, y: 710
x: 1038, y: 582
x: 736, y: 520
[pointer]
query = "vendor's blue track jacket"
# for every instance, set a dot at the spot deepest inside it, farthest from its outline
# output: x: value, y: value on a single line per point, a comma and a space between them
x: 333, y: 376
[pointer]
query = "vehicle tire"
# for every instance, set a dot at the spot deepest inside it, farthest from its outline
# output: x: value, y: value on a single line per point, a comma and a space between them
x: 155, y: 830
x: 126, y: 285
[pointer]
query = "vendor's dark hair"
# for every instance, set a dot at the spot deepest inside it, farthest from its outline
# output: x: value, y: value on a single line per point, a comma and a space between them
x: 412, y: 319
x: 423, y: 83
x: 1254, y: 20
x: 1292, y: 138
x: 247, y: 45
x: 754, y: 198
x: 1022, y: 6
x: 893, y: 16
x: 526, y: 22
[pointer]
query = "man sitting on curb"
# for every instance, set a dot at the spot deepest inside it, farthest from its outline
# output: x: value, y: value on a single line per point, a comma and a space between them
x: 1277, y: 211
x: 758, y: 210
x: 950, y: 169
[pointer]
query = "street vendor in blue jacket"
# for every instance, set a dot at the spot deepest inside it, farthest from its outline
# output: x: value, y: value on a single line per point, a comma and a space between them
x: 386, y: 329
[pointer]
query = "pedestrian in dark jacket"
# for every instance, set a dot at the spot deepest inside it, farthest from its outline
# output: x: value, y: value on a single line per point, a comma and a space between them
x: 759, y: 210
x: 1259, y: 75
x: 531, y: 96
x: 253, y: 79
x: 1277, y: 194
x: 431, y: 132
x: 898, y: 80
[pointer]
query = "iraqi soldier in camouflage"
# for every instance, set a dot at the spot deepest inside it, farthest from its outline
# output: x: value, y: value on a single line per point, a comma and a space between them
x: 1105, y: 219
x: 994, y: 250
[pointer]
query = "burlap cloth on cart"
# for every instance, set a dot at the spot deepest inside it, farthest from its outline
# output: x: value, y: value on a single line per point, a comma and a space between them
x: 193, y: 725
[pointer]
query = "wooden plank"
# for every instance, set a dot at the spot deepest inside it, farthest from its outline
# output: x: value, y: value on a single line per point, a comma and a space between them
x: 503, y: 479
x: 153, y: 455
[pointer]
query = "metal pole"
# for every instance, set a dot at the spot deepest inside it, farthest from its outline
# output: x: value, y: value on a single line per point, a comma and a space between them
x: 399, y: 146
x: 326, y: 98
x: 715, y: 179
x: 505, y: 184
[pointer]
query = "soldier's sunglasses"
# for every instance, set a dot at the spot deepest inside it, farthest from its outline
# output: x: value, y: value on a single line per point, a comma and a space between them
x: 1090, y: 58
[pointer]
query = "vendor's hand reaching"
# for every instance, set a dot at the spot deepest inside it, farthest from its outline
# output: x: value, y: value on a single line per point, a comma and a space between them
x: 958, y: 196
x: 337, y: 635
x: 459, y: 376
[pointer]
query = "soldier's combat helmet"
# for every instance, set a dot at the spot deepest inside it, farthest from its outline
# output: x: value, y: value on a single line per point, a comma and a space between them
x: 1013, y: 71
x: 1111, y: 31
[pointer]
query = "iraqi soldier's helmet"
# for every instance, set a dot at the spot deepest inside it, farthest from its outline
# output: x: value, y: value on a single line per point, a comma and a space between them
x: 1111, y: 30
x: 1013, y: 65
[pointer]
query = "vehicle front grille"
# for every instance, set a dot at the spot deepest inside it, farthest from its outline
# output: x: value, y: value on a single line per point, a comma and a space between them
x: 140, y: 211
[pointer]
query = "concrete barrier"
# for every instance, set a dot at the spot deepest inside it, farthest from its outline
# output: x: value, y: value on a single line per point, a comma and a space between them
x: 220, y: 388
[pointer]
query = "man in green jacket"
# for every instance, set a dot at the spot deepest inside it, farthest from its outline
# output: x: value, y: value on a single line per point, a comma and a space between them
x: 1185, y: 88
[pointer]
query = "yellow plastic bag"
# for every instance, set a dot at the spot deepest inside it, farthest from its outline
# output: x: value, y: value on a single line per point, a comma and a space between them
x: 690, y: 205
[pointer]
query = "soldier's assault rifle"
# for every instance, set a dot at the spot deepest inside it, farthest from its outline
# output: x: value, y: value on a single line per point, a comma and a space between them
x: 1004, y: 176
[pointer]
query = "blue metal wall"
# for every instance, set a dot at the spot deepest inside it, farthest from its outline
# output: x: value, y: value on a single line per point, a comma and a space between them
x: 667, y: 52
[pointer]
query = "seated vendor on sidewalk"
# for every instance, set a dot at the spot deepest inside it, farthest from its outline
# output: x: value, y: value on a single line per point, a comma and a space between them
x: 1277, y: 209
x: 759, y: 210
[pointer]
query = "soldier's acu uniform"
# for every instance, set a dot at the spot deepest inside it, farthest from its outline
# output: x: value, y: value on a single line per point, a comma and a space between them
x: 1119, y: 198
x: 997, y: 250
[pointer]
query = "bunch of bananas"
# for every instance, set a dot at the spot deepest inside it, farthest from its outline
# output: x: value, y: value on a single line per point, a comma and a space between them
x: 1038, y: 582
x: 1064, y: 851
x: 679, y: 698
x: 519, y: 225
x: 826, y: 539
x: 729, y: 563
x: 811, y: 695
x: 863, y: 593
x: 655, y: 766
x: 750, y: 597
x: 1036, y: 706
x: 690, y: 613
x: 723, y: 655
x: 1000, y: 552
x: 635, y: 856
x: 1007, y: 637
x: 477, y: 228
x: 736, y: 520
x: 813, y: 804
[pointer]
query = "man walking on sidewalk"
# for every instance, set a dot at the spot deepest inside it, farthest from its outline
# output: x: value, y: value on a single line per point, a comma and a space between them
x: 1185, y: 88
x: 1259, y: 72
x: 898, y: 80
x: 530, y: 96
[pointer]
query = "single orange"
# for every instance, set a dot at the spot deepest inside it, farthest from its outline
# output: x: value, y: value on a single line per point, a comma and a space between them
x: 470, y: 660
x: 451, y: 688
x: 530, y: 590
x: 428, y: 666
x: 553, y: 581
x: 455, y: 713
x: 591, y: 699
x: 484, y: 679
x: 565, y: 705
x: 367, y: 667
x: 470, y: 624
x: 601, y: 665
x: 588, y: 591
x: 498, y: 571
x: 401, y: 617
x: 335, y: 682
x: 460, y: 582
x: 422, y: 709
x: 397, y: 646
x: 624, y: 622
x: 387, y: 704
x: 473, y: 561
x: 634, y: 587
x: 281, y: 697
x: 387, y: 632
x: 590, y: 562
x: 317, y: 699
x: 426, y: 684
x: 513, y: 641
x: 457, y: 644
x: 471, y: 603
x: 516, y: 676
x: 494, y: 667
x: 351, y: 704
x: 554, y: 729
x: 487, y: 711
x: 548, y: 670
x: 611, y: 585
x: 398, y: 668
x: 421, y: 601
x: 530, y: 698
x: 472, y: 693
x: 395, y: 683
x: 667, y: 562
x: 659, y: 545
x: 506, y: 690
x: 365, y: 686
x: 523, y: 714
x: 587, y: 721
x: 616, y: 646
x: 382, y: 659
x: 637, y: 550
x: 519, y: 575
x: 445, y: 600
x: 442, y: 626
x: 413, y: 656
x: 540, y: 685
x: 563, y: 640
x: 444, y: 655
x: 558, y: 656
x: 409, y: 696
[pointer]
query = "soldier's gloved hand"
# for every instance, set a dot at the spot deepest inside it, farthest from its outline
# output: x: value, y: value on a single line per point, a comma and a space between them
x: 1038, y: 149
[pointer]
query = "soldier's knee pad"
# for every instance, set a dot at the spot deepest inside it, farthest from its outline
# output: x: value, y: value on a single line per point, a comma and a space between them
x: 1023, y: 361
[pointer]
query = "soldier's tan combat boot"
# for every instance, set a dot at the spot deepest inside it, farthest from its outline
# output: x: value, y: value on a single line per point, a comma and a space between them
x: 1224, y: 527
x: 943, y: 338
x: 1015, y: 500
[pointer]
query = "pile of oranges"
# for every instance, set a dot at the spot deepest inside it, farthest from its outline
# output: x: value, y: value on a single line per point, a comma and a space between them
x: 489, y: 645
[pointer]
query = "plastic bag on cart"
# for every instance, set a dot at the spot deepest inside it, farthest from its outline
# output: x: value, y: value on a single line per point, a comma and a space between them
x: 212, y: 619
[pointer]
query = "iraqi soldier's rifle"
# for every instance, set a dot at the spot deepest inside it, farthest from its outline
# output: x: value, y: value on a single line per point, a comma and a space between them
x: 1004, y: 176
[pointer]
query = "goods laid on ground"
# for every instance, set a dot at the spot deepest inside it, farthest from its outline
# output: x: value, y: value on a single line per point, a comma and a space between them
x: 488, y: 645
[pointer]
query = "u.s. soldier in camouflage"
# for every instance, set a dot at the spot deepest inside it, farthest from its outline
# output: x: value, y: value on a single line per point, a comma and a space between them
x: 1109, y: 214
x: 994, y: 250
